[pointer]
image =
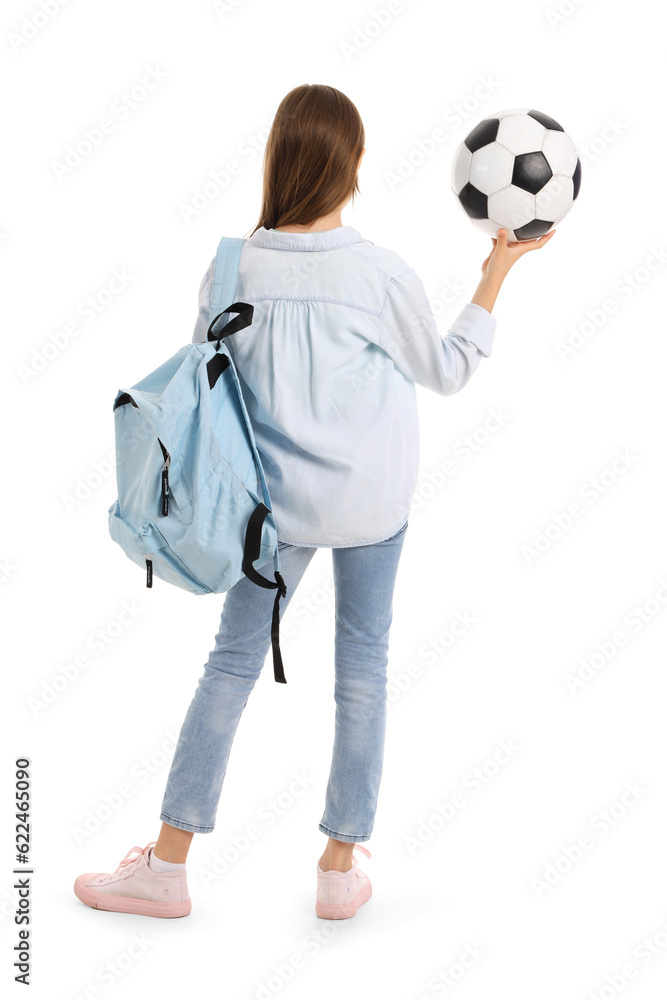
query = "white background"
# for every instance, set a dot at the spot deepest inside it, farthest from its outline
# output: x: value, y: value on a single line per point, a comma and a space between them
x: 474, y: 883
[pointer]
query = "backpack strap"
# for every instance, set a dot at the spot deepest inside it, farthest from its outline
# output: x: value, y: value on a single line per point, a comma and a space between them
x: 225, y: 274
x: 223, y: 294
x: 253, y: 542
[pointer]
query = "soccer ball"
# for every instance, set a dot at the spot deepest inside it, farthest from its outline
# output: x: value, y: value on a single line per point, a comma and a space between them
x: 518, y: 170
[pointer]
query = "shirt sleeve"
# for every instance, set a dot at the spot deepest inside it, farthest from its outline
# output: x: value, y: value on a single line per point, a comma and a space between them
x: 201, y: 325
x: 409, y: 335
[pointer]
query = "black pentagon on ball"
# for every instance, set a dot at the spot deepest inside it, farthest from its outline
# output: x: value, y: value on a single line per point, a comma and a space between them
x: 474, y: 202
x: 482, y: 134
x: 546, y: 121
x: 531, y: 171
x: 576, y: 179
x: 538, y: 227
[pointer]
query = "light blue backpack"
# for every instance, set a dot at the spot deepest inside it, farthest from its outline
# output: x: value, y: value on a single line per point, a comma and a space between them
x: 193, y: 506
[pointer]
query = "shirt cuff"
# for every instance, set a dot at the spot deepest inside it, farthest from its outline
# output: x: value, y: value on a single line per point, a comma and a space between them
x: 476, y: 324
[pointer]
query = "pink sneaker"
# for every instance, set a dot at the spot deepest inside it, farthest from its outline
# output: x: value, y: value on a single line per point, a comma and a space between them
x: 340, y: 894
x: 134, y: 888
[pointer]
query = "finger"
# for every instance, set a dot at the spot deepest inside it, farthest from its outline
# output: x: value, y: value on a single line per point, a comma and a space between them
x: 541, y: 240
x: 537, y: 243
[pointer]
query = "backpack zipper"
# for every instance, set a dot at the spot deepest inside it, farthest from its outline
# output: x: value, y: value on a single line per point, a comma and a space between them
x: 165, y: 479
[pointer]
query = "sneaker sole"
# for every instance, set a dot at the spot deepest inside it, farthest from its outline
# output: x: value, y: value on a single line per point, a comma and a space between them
x: 127, y: 904
x: 340, y: 911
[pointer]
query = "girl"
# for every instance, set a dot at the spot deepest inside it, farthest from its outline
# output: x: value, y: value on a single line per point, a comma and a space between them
x: 342, y: 331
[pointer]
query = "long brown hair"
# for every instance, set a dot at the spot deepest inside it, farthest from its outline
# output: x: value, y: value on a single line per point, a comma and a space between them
x: 311, y: 158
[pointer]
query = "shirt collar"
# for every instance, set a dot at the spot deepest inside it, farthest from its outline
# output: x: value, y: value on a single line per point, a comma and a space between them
x: 330, y: 239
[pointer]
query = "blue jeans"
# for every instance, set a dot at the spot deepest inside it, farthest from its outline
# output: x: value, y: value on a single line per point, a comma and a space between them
x: 364, y: 577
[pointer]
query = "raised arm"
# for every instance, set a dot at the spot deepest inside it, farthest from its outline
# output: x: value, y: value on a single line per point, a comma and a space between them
x: 410, y: 336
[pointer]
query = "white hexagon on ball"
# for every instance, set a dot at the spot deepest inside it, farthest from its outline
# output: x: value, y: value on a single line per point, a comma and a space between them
x: 511, y: 208
x: 460, y: 168
x: 491, y: 229
x: 491, y: 168
x: 520, y: 134
x: 561, y: 152
x: 510, y: 111
x: 554, y: 201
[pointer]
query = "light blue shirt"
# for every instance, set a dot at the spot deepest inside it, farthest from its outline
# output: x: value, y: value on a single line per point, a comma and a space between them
x: 342, y: 331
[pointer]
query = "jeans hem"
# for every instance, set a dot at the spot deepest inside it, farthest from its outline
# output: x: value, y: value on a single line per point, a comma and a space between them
x: 345, y: 837
x: 190, y: 827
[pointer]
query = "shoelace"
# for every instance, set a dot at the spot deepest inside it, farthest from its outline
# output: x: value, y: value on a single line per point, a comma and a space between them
x: 129, y: 863
x: 357, y: 847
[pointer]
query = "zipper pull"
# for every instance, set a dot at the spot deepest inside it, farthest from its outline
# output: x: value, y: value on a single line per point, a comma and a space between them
x: 165, y: 486
x: 149, y: 572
